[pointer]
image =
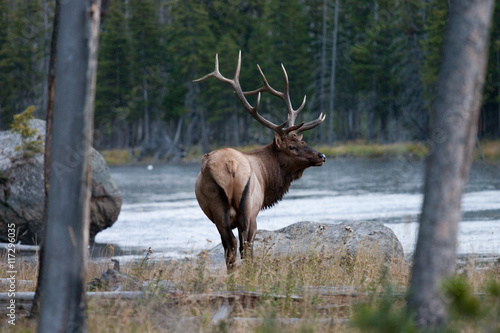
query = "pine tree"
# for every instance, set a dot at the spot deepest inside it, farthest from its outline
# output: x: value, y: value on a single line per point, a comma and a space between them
x: 291, y: 40
x: 436, y: 16
x: 490, y: 112
x: 4, y: 30
x: 190, y: 50
x: 27, y: 51
x: 114, y: 85
x: 21, y: 55
x: 146, y: 35
x: 409, y: 119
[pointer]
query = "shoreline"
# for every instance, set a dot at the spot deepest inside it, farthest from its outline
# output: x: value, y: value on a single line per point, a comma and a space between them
x: 487, y: 151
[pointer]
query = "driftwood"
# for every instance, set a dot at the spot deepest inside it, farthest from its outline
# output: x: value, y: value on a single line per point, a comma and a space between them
x: 29, y: 295
x: 225, y: 297
x: 21, y: 247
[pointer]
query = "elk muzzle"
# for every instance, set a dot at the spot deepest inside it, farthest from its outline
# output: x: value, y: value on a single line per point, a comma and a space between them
x: 322, y: 157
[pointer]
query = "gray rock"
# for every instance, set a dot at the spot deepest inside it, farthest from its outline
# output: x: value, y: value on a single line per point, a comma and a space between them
x: 22, y: 194
x: 333, y: 240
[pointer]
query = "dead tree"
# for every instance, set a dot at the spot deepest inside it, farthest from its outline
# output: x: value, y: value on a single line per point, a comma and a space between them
x: 456, y: 112
x: 35, y: 308
x: 62, y: 293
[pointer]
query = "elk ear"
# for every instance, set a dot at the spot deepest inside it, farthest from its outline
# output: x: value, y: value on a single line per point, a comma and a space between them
x: 277, y: 140
x: 299, y: 137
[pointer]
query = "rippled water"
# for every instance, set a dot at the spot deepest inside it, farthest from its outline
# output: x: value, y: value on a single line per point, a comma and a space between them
x: 160, y: 210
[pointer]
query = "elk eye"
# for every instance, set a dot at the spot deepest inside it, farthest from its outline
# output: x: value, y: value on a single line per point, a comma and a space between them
x: 292, y: 148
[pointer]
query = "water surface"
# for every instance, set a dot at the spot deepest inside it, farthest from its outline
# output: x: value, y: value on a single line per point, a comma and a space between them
x: 160, y: 209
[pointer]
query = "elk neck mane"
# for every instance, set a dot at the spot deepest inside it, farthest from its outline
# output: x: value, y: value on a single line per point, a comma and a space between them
x: 276, y: 174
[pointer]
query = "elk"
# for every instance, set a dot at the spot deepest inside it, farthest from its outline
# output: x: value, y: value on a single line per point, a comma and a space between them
x: 233, y: 187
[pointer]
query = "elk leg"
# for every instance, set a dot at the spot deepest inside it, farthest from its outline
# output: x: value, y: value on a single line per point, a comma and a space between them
x: 252, y: 229
x: 243, y: 222
x: 242, y: 233
x: 230, y: 244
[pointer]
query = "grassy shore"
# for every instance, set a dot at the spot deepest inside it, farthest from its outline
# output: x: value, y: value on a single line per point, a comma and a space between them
x: 294, y: 294
x: 490, y: 150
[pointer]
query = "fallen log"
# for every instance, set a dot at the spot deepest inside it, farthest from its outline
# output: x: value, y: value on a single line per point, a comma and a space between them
x: 29, y: 295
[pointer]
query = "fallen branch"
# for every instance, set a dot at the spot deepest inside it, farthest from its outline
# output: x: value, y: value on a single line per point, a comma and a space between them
x: 29, y: 295
x: 21, y: 247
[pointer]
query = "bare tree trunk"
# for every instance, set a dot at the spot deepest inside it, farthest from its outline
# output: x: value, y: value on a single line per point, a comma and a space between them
x: 46, y: 50
x: 456, y: 109
x: 35, y: 309
x: 332, y: 75
x: 173, y: 149
x: 235, y: 127
x: 147, y: 135
x: 178, y: 130
x: 498, y: 79
x: 321, y: 99
x: 62, y: 294
x: 204, y: 131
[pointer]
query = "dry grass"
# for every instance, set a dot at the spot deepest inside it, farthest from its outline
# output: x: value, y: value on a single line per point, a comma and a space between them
x: 26, y: 268
x: 373, y: 150
x: 116, y: 156
x: 491, y: 150
x: 308, y: 294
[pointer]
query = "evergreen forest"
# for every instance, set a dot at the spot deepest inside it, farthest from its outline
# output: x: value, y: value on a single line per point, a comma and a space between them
x: 371, y: 66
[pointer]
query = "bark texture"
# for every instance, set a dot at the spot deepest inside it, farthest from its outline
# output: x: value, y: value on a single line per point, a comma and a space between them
x: 62, y: 293
x: 453, y: 134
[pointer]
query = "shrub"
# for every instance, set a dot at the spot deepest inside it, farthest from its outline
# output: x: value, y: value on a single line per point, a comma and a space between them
x: 32, y: 143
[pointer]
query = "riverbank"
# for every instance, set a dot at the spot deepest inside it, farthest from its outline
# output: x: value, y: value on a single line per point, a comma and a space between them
x: 311, y: 293
x: 488, y: 150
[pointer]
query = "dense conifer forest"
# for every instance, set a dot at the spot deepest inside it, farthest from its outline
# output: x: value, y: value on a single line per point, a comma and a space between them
x: 370, y: 66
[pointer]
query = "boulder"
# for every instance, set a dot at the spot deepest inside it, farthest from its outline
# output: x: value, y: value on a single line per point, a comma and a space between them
x: 22, y: 190
x: 332, y: 240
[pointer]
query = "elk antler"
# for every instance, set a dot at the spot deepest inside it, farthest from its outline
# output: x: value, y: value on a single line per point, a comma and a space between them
x: 285, y: 96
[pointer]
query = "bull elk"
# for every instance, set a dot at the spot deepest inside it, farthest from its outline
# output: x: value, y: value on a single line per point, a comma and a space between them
x: 233, y: 187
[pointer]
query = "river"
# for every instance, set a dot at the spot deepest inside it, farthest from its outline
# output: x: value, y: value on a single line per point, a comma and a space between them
x: 160, y: 209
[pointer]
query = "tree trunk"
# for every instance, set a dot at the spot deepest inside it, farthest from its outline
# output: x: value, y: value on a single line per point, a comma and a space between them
x: 322, y: 69
x: 456, y: 109
x: 204, y: 131
x: 173, y: 149
x: 62, y: 293
x: 498, y: 79
x: 35, y: 309
x: 332, y: 75
x: 147, y: 135
x: 46, y: 50
x: 235, y: 126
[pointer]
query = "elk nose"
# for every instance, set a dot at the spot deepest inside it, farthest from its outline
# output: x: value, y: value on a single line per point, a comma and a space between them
x: 322, y: 156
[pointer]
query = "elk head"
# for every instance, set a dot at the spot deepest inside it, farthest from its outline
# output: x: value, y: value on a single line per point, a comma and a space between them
x: 233, y: 187
x: 295, y: 154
